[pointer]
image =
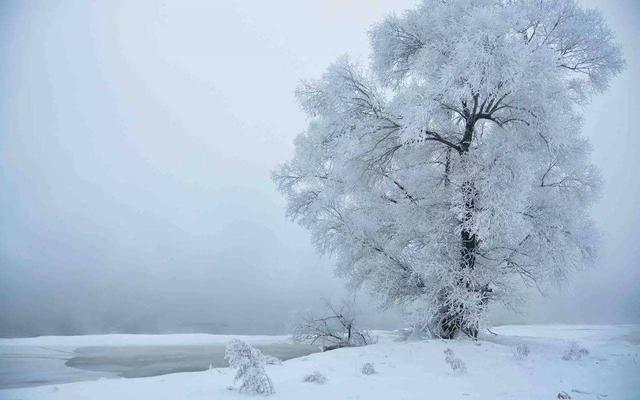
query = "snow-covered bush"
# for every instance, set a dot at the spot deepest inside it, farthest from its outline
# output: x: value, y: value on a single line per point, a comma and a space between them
x: 334, y: 330
x: 250, y: 364
x: 521, y: 351
x: 456, y: 364
x: 368, y: 369
x: 575, y: 352
x: 316, y: 377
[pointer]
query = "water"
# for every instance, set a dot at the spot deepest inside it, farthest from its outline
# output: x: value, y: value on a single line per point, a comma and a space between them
x: 25, y: 366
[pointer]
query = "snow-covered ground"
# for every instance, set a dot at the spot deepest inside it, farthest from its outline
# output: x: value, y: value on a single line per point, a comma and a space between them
x: 408, y: 370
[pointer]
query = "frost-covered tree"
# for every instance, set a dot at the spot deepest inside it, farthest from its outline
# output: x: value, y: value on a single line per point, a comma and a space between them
x: 250, y: 363
x: 454, y: 167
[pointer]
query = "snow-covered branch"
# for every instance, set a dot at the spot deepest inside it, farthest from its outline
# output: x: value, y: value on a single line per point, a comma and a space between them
x: 334, y: 330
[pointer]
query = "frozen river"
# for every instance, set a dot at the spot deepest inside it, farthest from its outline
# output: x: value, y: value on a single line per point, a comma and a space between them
x: 36, y: 362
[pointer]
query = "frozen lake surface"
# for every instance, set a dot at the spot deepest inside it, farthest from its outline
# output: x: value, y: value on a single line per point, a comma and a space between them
x: 43, y: 361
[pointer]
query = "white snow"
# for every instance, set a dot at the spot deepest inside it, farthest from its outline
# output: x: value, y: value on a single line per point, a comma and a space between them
x: 410, y: 370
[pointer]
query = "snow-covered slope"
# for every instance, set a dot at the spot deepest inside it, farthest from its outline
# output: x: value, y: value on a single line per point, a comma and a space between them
x: 415, y: 370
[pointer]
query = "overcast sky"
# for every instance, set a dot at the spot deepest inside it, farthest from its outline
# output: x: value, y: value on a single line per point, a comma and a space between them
x: 137, y: 140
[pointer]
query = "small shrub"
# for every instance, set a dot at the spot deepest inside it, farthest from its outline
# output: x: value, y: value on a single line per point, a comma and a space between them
x: 456, y: 364
x: 575, y: 352
x: 368, y: 369
x: 250, y: 364
x: 316, y: 377
x: 334, y: 330
x: 521, y: 351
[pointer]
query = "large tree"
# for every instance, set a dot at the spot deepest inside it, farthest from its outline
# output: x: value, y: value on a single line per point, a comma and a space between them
x: 454, y: 169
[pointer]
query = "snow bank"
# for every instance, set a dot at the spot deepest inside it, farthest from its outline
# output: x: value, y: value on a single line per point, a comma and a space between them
x: 411, y: 370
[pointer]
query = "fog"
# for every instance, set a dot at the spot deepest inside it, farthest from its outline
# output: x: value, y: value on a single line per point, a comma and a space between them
x: 137, y: 141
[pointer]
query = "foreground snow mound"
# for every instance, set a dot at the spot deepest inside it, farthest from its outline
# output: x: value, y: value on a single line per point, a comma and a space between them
x: 413, y: 370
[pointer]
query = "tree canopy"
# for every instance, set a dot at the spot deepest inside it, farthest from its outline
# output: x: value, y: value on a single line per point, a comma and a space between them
x: 453, y: 169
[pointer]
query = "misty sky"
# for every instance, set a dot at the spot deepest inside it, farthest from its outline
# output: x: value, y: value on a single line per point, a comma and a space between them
x: 137, y: 139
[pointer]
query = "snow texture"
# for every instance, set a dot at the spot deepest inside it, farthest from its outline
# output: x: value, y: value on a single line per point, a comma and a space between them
x: 412, y: 369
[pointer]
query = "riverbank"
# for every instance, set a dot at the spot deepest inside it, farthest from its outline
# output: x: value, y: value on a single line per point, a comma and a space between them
x: 29, y: 362
x: 609, y: 368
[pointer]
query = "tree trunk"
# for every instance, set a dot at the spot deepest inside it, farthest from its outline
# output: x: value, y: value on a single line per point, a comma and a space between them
x: 451, y: 318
